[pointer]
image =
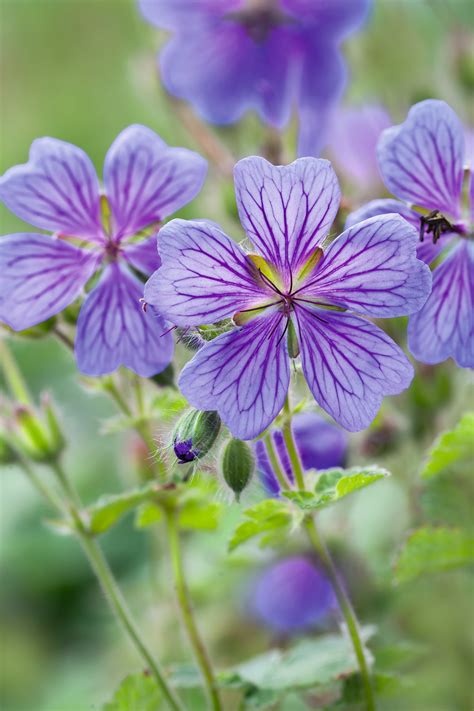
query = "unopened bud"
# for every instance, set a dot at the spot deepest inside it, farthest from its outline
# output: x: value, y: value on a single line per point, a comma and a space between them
x: 195, y: 433
x: 40, y: 438
x: 238, y: 465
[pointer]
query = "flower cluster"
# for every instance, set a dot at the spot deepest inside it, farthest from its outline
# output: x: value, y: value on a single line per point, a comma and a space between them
x: 229, y: 56
x: 58, y: 190
x: 290, y: 295
x: 422, y: 163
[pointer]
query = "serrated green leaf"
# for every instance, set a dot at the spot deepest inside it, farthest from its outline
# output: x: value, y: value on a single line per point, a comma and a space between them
x: 137, y: 692
x: 432, y: 549
x: 333, y: 484
x: 168, y: 404
x: 452, y: 448
x: 271, y: 519
x: 308, y: 664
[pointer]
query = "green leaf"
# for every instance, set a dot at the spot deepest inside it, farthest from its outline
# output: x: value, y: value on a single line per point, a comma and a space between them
x: 271, y: 519
x: 109, y: 509
x: 308, y: 664
x: 137, y: 692
x: 452, y: 448
x: 432, y: 549
x: 334, y: 484
x: 200, y: 515
x: 168, y: 404
x: 184, y: 676
x: 147, y: 515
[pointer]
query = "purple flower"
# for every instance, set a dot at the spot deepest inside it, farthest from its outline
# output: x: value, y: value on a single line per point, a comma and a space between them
x: 291, y: 295
x: 292, y: 595
x: 58, y: 191
x: 229, y: 56
x: 421, y: 162
x: 352, y: 143
x: 320, y: 443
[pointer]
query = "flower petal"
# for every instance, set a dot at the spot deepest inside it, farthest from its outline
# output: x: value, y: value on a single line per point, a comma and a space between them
x: 350, y: 365
x: 444, y: 327
x: 372, y: 269
x: 143, y: 255
x: 175, y: 14
x: 204, y: 277
x: 286, y: 210
x: 353, y: 137
x: 145, y: 180
x: 113, y: 329
x: 427, y: 250
x: 41, y: 275
x: 339, y: 18
x: 56, y: 190
x: 422, y: 159
x: 243, y: 374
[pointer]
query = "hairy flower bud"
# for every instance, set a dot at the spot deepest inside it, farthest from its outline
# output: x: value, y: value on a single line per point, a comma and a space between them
x: 238, y: 465
x: 38, y: 433
x: 195, y: 434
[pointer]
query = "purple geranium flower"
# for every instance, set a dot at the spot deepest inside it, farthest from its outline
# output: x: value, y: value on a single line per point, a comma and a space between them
x: 352, y: 144
x: 320, y: 444
x: 58, y: 190
x: 291, y: 595
x: 229, y: 56
x: 421, y: 162
x: 292, y: 295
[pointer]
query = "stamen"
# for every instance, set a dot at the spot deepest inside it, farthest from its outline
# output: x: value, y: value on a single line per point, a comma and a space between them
x: 434, y: 223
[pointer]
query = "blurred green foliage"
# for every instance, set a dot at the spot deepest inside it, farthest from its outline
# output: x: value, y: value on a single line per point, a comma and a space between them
x: 82, y: 70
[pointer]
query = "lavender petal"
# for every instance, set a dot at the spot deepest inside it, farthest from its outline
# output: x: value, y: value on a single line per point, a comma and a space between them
x: 56, y: 190
x: 145, y: 180
x: 243, y: 374
x: 113, y: 329
x: 350, y: 365
x: 41, y: 275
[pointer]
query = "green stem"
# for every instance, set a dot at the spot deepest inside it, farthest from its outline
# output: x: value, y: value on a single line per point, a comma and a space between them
x: 103, y: 573
x: 275, y: 461
x: 346, y: 609
x: 320, y: 546
x: 13, y: 376
x: 119, y: 607
x: 184, y: 602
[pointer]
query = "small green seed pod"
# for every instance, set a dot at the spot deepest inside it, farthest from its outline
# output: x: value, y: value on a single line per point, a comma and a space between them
x: 195, y: 433
x: 237, y: 465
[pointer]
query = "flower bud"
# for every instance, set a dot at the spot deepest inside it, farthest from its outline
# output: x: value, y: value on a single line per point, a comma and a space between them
x: 238, y: 465
x: 194, y: 434
x: 38, y: 435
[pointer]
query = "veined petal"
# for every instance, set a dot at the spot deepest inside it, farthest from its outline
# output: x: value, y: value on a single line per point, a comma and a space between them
x: 204, y: 277
x: 143, y: 255
x: 243, y: 374
x: 113, y: 329
x: 422, y: 159
x: 427, y: 250
x: 444, y: 327
x: 40, y: 276
x: 56, y: 190
x: 286, y: 210
x: 350, y: 365
x: 338, y: 17
x: 145, y: 180
x: 372, y: 269
x: 175, y: 14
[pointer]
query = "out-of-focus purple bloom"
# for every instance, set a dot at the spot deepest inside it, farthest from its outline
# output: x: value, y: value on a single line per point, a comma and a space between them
x: 291, y: 292
x: 229, y: 56
x: 291, y: 596
x: 320, y: 444
x: 352, y: 144
x: 58, y: 190
x: 422, y: 163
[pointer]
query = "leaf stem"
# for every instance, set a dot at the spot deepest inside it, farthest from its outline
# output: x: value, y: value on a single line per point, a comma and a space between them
x: 200, y: 652
x: 323, y: 552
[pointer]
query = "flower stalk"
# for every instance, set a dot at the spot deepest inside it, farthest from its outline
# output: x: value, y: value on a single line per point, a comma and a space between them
x: 185, y: 606
x: 322, y: 550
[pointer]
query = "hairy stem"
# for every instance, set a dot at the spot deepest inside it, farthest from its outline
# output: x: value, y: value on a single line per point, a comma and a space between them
x: 275, y: 461
x: 323, y: 552
x: 102, y: 571
x: 200, y: 652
